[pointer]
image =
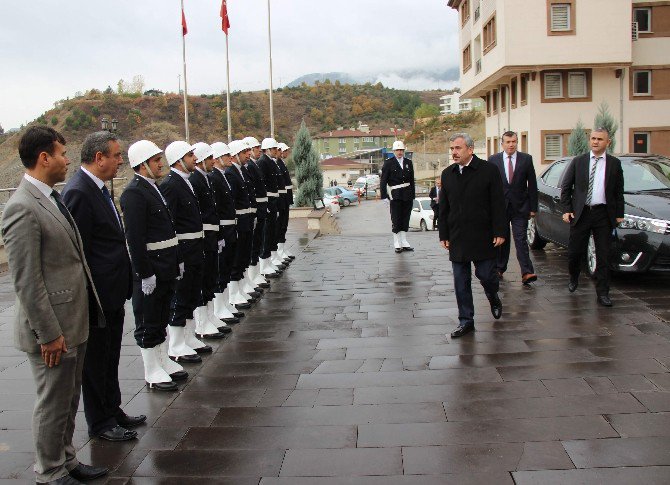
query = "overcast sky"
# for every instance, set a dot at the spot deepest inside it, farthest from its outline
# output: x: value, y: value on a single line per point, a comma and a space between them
x: 50, y: 49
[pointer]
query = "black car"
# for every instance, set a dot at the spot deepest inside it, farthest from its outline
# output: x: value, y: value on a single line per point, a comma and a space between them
x: 643, y: 238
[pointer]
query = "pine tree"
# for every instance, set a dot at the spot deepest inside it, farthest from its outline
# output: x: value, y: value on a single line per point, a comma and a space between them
x: 578, y: 142
x: 307, y: 169
x: 605, y: 120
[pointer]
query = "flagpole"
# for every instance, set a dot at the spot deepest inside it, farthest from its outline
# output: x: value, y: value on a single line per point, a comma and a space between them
x: 230, y: 135
x: 272, y: 117
x: 183, y: 49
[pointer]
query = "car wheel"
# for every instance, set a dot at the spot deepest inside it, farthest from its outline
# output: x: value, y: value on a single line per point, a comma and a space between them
x: 423, y: 225
x: 534, y: 239
x: 346, y: 202
x: 591, y: 257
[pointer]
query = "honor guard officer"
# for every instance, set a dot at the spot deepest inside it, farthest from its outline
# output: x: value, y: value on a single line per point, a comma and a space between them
x: 227, y: 237
x: 269, y: 261
x: 288, y: 201
x: 254, y: 273
x: 241, y: 191
x: 206, y: 322
x: 397, y: 186
x: 183, y: 206
x: 152, y: 244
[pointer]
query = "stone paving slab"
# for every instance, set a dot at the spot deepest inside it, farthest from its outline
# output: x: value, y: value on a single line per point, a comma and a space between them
x: 343, y: 374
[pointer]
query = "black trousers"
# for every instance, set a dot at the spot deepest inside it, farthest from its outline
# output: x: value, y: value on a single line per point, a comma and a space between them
x: 436, y: 213
x: 282, y: 223
x: 485, y: 273
x: 593, y: 220
x: 152, y: 313
x: 226, y: 259
x: 210, y: 273
x: 188, y: 293
x: 519, y: 224
x: 100, y: 379
x: 242, y: 255
x: 400, y: 212
x: 270, y: 236
x: 259, y: 230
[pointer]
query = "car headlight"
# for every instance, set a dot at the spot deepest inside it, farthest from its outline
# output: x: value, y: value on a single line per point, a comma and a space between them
x: 644, y: 224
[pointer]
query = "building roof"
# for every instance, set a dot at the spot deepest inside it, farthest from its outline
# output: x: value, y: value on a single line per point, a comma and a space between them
x: 337, y: 162
x: 359, y: 133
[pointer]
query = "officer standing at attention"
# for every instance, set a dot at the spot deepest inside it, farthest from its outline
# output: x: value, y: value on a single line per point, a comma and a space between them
x: 288, y: 201
x: 397, y: 186
x: 152, y: 244
x: 272, y: 182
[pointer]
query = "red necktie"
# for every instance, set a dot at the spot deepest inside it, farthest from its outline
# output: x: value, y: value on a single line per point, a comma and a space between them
x: 510, y: 168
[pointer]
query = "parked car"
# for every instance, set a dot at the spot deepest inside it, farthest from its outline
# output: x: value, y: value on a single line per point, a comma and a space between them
x: 342, y: 194
x: 422, y: 215
x: 642, y: 240
x: 331, y: 202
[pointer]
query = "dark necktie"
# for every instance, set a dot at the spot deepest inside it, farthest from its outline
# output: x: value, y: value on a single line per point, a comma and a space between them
x: 510, y: 168
x: 62, y: 208
x: 592, y: 177
x: 108, y: 198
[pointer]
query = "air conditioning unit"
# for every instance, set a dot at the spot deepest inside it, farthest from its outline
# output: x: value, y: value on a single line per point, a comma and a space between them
x: 634, y: 31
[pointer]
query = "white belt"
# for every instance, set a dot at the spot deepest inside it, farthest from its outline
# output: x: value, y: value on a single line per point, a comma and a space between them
x: 154, y: 246
x: 210, y: 227
x: 283, y: 191
x: 239, y: 212
x: 260, y: 200
x: 273, y: 194
x: 190, y: 235
x: 390, y: 188
x: 227, y: 222
x: 289, y: 187
x: 252, y: 210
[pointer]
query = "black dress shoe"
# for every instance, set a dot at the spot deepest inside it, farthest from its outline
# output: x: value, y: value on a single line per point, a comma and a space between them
x: 132, y: 421
x: 242, y: 306
x: 210, y: 336
x: 462, y: 330
x: 163, y: 386
x: 117, y: 433
x: 84, y: 473
x: 224, y: 329
x: 496, y: 306
x: 271, y: 275
x: 205, y: 349
x: 187, y: 359
x: 264, y: 285
x: 398, y: 250
x: 604, y: 300
x: 254, y: 295
x: 408, y: 249
x: 236, y: 315
x: 66, y: 480
x: 258, y: 289
x: 230, y: 320
x: 572, y: 285
x: 180, y: 375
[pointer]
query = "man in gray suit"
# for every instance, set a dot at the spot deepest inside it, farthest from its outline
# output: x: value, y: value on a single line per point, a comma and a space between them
x: 53, y: 292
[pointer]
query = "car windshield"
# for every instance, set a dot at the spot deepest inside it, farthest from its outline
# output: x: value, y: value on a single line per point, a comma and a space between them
x: 330, y: 192
x: 646, y: 174
x: 425, y: 204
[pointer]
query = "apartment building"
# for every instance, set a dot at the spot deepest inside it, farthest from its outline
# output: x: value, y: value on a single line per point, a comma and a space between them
x: 452, y: 104
x: 341, y: 142
x: 542, y: 65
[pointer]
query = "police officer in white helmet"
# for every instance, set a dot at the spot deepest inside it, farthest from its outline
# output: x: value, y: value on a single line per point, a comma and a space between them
x: 397, y: 187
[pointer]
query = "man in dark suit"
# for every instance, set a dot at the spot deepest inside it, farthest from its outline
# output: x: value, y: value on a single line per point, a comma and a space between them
x: 520, y: 187
x: 102, y: 235
x: 56, y: 302
x: 472, y: 227
x: 592, y: 200
x: 434, y: 195
x: 397, y: 187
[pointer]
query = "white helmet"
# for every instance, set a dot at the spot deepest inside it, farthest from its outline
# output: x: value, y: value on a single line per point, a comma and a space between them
x: 237, y: 146
x: 251, y: 141
x: 269, y: 143
x: 176, y: 150
x: 398, y: 145
x: 220, y: 149
x: 141, y: 151
x: 283, y: 147
x: 202, y: 150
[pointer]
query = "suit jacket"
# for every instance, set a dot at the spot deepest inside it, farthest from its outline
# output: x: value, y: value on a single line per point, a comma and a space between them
x: 260, y: 192
x: 273, y: 180
x: 392, y: 175
x: 434, y: 202
x: 521, y: 194
x: 575, y: 185
x: 241, y: 199
x: 103, y: 238
x: 204, y: 192
x: 472, y: 210
x: 225, y: 206
x: 148, y: 220
x: 288, y: 183
x: 51, y: 278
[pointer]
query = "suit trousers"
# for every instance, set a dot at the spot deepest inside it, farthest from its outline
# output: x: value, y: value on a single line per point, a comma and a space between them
x: 242, y: 255
x: 282, y: 221
x: 593, y: 219
x: 485, y: 271
x: 100, y: 381
x: 270, y: 235
x: 58, y: 390
x: 209, y: 276
x: 152, y: 313
x: 519, y: 225
x: 436, y: 213
x: 226, y: 261
x: 259, y: 230
x: 188, y: 293
x: 400, y: 212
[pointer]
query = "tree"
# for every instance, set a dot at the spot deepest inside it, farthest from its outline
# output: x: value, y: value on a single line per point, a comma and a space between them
x: 307, y: 169
x: 426, y: 111
x: 578, y: 142
x: 605, y: 120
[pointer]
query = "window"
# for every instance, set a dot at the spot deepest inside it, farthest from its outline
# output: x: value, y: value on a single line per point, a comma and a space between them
x: 467, y: 59
x: 465, y: 11
x: 642, y: 83
x: 552, y: 177
x: 524, y: 89
x: 641, y: 142
x: 343, y: 141
x: 577, y: 85
x: 513, y: 87
x: 503, y: 98
x: 415, y: 205
x: 561, y: 17
x: 553, y: 147
x: 494, y: 101
x: 343, y: 149
x: 524, y: 141
x: 368, y: 139
x: 489, y: 34
x: 643, y: 18
x: 488, y: 105
x: 553, y: 85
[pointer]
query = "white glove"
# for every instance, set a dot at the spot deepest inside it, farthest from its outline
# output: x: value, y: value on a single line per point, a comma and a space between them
x: 149, y: 285
x: 222, y: 244
x: 181, y: 271
x: 387, y: 201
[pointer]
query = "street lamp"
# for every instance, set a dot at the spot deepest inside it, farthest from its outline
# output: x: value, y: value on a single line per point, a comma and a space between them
x: 424, y: 145
x: 447, y: 133
x: 104, y: 122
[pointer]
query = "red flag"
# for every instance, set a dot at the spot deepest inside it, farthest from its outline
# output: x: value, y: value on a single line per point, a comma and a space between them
x: 184, y: 28
x: 225, y: 21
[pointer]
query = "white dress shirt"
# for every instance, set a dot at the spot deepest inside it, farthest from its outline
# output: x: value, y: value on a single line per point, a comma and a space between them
x: 506, y: 164
x: 204, y: 174
x: 185, y: 177
x: 460, y: 167
x: 100, y: 184
x: 42, y: 187
x: 224, y: 177
x: 152, y: 182
x: 598, y: 196
x: 401, y: 161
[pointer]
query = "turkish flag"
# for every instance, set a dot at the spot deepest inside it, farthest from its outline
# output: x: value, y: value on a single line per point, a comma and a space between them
x: 225, y: 21
x: 184, y: 28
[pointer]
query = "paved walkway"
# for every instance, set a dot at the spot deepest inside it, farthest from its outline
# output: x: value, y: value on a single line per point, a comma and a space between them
x: 344, y: 371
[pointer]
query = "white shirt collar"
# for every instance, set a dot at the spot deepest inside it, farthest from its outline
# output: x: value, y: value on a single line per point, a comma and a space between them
x: 180, y: 173
x: 204, y: 174
x: 593, y: 155
x: 41, y: 186
x: 506, y: 156
x: 151, y: 181
x: 95, y: 179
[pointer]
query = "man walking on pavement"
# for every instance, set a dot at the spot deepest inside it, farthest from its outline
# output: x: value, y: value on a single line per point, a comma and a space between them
x: 397, y: 186
x: 434, y: 195
x: 520, y: 188
x: 472, y: 225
